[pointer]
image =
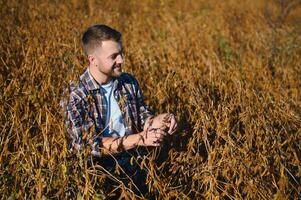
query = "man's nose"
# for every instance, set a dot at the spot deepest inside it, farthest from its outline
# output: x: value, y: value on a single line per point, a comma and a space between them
x: 119, y: 58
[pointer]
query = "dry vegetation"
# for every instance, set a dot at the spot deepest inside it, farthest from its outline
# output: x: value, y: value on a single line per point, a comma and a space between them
x: 230, y: 71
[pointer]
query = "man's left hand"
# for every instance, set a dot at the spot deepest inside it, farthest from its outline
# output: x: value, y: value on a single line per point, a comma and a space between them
x: 163, y: 121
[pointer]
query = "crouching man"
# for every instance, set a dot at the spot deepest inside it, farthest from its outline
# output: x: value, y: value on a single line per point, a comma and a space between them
x: 109, y: 103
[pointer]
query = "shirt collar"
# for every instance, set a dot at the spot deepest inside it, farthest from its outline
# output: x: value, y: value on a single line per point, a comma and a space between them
x: 90, y: 82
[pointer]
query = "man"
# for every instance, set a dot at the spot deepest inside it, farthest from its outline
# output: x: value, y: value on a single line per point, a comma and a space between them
x: 106, y: 111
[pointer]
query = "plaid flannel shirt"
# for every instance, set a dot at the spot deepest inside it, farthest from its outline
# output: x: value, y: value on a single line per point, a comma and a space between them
x: 87, y: 108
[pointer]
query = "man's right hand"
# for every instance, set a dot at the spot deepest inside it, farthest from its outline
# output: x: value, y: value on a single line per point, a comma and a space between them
x: 152, y: 137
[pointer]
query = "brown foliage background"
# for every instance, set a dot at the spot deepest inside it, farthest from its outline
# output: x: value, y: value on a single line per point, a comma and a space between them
x: 230, y: 71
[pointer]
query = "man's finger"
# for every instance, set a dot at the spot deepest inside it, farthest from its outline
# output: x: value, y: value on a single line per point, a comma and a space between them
x: 156, y: 144
x: 175, y: 128
x: 173, y: 123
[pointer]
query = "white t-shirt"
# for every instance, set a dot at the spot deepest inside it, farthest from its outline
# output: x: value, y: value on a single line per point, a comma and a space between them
x: 114, y: 126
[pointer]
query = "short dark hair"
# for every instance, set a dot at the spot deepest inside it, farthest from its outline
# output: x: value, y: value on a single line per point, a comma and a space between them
x: 95, y: 34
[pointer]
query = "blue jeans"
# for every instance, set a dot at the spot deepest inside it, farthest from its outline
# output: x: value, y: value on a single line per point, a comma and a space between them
x: 130, y: 173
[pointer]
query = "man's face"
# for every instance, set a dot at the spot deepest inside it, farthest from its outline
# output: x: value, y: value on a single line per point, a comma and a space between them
x: 108, y: 58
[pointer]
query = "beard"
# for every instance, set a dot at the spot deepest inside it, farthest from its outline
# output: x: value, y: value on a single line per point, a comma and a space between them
x: 114, y: 71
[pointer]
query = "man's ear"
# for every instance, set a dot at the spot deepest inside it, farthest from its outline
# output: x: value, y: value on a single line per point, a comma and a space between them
x: 91, y: 59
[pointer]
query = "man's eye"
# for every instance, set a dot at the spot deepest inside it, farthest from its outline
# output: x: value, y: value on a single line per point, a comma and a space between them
x: 114, y: 56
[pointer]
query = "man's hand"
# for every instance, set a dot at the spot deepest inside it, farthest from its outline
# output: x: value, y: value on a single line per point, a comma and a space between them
x: 166, y: 122
x: 173, y: 124
x: 152, y: 137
